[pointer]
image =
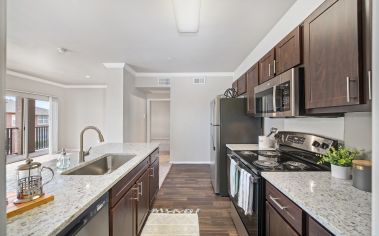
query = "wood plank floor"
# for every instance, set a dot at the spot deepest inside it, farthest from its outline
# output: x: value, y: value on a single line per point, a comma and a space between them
x: 189, y: 187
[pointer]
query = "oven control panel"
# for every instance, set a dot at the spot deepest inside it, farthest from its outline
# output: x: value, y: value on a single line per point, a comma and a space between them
x: 305, y: 141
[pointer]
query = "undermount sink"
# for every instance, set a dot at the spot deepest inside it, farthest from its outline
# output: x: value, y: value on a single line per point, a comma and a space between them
x: 104, y: 165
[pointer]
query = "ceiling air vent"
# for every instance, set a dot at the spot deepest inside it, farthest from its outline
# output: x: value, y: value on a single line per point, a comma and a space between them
x: 199, y: 80
x: 164, y: 82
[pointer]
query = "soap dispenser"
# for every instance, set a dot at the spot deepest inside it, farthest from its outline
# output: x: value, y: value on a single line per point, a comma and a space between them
x: 63, y: 160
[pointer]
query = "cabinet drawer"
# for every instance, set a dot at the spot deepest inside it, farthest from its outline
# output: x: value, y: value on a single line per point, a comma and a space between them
x: 315, y: 229
x: 154, y: 156
x: 118, y: 191
x: 285, y: 207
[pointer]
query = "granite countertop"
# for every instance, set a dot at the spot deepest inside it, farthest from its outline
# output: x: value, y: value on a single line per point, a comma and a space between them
x: 73, y: 194
x: 334, y: 203
x: 246, y: 147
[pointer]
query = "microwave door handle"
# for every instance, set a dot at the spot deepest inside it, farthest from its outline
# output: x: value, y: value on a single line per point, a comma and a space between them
x: 274, y: 98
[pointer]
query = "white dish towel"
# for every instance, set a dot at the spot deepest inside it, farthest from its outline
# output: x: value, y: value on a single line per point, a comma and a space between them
x: 244, y: 198
x: 233, y: 177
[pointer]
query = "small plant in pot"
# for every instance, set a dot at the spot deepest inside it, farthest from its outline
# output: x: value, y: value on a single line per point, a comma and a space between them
x: 341, y: 160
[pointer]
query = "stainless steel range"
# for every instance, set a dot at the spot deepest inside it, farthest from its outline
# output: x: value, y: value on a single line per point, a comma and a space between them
x: 295, y: 152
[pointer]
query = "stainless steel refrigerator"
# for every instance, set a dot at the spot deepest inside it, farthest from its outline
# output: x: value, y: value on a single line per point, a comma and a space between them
x: 229, y: 125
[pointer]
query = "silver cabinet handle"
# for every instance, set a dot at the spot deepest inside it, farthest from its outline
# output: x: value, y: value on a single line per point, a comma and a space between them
x: 153, y: 174
x: 135, y: 198
x: 348, y: 89
x: 369, y: 85
x: 140, y: 192
x: 277, y: 203
x: 274, y: 67
x: 269, y: 69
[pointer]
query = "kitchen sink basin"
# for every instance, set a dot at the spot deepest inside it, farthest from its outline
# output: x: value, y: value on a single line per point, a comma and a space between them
x: 104, y: 165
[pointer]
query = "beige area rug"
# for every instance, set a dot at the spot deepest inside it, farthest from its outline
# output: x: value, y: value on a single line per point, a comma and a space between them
x: 164, y: 167
x: 175, y: 223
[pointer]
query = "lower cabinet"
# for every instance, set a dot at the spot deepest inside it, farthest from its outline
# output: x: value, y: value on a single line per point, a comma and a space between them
x: 275, y: 224
x: 131, y: 198
x: 315, y: 229
x: 154, y: 181
x: 143, y: 203
x: 123, y: 214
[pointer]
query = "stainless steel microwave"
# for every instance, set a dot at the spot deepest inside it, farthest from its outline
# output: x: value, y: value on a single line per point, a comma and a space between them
x: 281, y: 96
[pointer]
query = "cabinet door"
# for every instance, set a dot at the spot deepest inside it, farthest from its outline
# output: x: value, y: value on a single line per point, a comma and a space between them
x: 288, y: 51
x: 154, y: 181
x: 267, y: 67
x: 315, y: 229
x: 123, y: 215
x: 332, y: 54
x: 235, y: 86
x: 241, y: 85
x: 276, y: 225
x: 143, y: 205
x: 367, y: 50
x: 251, y: 82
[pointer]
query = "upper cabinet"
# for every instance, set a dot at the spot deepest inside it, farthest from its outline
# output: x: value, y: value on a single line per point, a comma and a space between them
x: 241, y: 85
x: 288, y: 52
x: 267, y: 67
x: 252, y: 77
x: 332, y: 55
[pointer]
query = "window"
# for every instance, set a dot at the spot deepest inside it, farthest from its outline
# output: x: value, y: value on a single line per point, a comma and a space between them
x: 13, y: 120
x: 42, y: 120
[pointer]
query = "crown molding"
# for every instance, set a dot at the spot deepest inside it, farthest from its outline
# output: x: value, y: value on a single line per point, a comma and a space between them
x: 57, y: 84
x: 186, y: 74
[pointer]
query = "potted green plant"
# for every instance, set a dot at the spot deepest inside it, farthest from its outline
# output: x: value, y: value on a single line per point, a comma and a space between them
x: 341, y: 160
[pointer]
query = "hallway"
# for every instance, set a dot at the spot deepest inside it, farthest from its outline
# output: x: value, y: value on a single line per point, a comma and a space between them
x: 189, y: 187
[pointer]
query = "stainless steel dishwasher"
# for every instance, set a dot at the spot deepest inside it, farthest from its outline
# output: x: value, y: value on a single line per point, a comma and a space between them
x: 94, y: 221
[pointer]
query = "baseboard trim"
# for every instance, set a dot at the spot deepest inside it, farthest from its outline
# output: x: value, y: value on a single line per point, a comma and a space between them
x: 191, y: 162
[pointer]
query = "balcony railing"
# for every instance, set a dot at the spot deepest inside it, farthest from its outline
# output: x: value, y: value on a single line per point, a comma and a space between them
x: 11, y: 135
x: 42, y: 137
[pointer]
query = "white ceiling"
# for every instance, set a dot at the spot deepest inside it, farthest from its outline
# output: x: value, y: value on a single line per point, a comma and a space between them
x: 141, y: 33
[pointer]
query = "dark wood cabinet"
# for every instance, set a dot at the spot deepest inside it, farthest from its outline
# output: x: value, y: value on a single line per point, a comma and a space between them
x: 234, y: 85
x: 143, y: 204
x: 241, y: 85
x: 332, y: 55
x: 276, y: 225
x: 130, y: 198
x: 367, y: 50
x: 315, y: 229
x: 288, y: 52
x: 252, y: 77
x: 153, y: 181
x: 123, y: 214
x: 267, y: 66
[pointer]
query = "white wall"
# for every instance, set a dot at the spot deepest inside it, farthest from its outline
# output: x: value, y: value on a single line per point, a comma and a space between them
x: 190, y: 118
x: 294, y: 17
x: 2, y: 118
x: 134, y: 111
x: 375, y: 121
x: 77, y: 109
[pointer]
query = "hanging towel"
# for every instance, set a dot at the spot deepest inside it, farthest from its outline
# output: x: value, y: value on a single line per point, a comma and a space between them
x: 233, y: 177
x: 246, y: 192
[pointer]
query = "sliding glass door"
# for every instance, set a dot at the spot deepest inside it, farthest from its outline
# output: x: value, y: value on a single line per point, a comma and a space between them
x: 27, y: 127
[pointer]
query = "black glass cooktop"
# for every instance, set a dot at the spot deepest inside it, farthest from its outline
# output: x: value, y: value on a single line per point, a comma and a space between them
x: 290, y: 160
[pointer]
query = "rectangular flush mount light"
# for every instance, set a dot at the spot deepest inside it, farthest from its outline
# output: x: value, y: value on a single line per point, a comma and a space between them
x: 187, y: 15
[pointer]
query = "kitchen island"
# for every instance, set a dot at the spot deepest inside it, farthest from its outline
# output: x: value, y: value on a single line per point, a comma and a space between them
x: 73, y: 193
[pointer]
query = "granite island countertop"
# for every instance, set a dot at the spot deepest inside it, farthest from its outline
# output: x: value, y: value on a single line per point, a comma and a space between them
x: 334, y: 203
x: 73, y: 193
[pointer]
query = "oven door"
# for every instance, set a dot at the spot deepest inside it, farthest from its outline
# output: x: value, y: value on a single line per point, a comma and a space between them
x: 253, y: 222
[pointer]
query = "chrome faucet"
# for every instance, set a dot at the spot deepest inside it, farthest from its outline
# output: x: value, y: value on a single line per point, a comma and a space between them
x: 83, y: 153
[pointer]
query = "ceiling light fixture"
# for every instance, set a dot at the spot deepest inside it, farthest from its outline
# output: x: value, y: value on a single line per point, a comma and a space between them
x: 62, y: 50
x: 187, y: 15
x: 87, y: 77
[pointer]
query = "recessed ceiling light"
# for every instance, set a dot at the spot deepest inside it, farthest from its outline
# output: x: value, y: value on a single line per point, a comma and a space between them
x: 62, y: 50
x: 187, y: 15
x: 87, y: 77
